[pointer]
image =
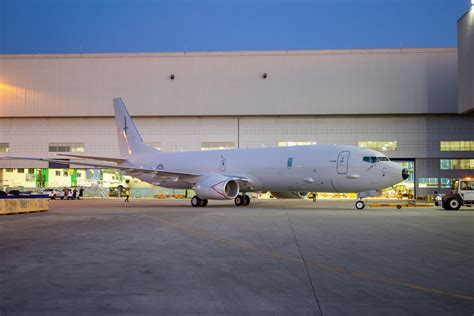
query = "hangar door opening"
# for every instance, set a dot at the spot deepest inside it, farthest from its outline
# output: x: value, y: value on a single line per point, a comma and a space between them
x: 407, y: 188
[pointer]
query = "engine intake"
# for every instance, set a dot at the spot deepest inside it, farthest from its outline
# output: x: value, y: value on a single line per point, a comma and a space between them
x: 217, y: 187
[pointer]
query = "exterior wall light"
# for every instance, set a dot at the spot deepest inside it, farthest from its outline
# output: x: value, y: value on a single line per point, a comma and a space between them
x: 265, y: 75
x: 172, y: 76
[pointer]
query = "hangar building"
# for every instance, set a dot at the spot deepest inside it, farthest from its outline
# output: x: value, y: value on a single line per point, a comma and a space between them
x: 403, y: 102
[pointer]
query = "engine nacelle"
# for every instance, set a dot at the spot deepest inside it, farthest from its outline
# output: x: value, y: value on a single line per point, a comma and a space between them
x: 217, y: 187
x: 290, y: 195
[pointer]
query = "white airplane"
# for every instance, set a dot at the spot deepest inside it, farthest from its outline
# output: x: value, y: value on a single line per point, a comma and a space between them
x: 287, y: 172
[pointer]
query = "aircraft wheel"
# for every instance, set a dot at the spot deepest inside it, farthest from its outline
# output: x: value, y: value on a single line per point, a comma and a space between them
x: 246, y: 200
x: 360, y: 205
x: 196, y: 201
x: 239, y: 200
x: 203, y: 203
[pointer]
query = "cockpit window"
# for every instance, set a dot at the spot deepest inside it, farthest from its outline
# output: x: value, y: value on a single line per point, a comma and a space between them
x: 373, y: 159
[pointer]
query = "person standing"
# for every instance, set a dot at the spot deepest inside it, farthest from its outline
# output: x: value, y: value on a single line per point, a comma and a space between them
x: 127, y: 194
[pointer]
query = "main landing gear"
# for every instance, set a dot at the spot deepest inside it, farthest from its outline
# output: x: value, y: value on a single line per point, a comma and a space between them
x: 197, y: 201
x: 242, y: 200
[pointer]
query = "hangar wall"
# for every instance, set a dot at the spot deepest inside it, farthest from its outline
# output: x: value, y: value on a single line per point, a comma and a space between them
x: 343, y: 82
x: 328, y: 97
x: 466, y: 61
x: 416, y: 136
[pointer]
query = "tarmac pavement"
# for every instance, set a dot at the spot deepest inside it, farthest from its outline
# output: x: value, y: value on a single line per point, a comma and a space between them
x: 272, y: 257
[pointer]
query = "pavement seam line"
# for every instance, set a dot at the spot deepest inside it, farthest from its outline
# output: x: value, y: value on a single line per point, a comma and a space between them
x: 304, y: 264
x: 360, y: 275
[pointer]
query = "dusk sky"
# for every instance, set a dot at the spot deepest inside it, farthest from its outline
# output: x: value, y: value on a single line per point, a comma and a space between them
x: 86, y: 26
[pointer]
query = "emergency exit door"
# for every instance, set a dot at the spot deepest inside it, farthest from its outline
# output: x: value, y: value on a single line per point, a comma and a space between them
x: 342, y: 162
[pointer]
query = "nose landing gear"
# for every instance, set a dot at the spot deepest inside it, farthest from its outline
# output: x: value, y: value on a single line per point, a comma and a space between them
x: 360, y: 205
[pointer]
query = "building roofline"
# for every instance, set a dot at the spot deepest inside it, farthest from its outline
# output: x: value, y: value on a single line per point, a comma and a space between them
x: 471, y: 8
x: 236, y: 53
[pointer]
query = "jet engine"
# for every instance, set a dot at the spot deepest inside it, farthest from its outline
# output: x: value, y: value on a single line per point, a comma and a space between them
x: 290, y: 195
x: 217, y: 187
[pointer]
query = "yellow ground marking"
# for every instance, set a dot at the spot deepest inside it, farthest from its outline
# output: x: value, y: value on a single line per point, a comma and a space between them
x: 361, y: 275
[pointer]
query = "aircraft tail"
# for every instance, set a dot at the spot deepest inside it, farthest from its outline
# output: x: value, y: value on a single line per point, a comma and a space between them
x: 130, y: 141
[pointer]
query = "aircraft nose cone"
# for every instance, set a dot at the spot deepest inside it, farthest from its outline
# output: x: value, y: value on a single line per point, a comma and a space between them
x: 405, y: 173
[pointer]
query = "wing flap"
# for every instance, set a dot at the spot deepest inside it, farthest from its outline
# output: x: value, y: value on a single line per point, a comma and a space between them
x: 110, y: 159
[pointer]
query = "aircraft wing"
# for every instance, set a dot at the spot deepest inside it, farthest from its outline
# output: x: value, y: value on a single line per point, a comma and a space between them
x: 133, y: 171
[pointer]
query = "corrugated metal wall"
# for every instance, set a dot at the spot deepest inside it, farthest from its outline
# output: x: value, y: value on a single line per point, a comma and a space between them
x: 207, y: 84
x: 466, y: 61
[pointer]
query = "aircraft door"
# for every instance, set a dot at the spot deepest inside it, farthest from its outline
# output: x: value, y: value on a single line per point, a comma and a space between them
x: 342, y: 162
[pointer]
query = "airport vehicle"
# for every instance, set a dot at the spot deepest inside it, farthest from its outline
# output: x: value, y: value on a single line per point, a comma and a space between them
x: 229, y: 174
x: 54, y: 194
x: 462, y: 193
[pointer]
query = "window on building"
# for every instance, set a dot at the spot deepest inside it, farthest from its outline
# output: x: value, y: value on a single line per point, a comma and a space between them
x: 66, y: 147
x: 450, y: 164
x: 4, y: 147
x: 65, y: 173
x: 31, y: 170
x: 428, y: 183
x: 21, y: 170
x: 9, y: 170
x: 57, y: 173
x: 445, y: 183
x: 79, y: 174
x: 457, y: 145
x: 156, y: 145
x: 305, y: 143
x: 379, y: 145
x: 217, y: 145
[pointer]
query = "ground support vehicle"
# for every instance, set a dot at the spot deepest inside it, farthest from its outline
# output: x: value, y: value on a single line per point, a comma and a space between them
x: 462, y: 193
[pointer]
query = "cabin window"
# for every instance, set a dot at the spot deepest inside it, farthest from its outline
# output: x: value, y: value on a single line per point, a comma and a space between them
x: 289, y: 163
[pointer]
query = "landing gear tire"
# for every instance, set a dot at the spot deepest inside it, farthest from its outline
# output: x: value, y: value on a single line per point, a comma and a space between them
x: 246, y: 200
x: 360, y: 205
x: 239, y: 200
x: 196, y: 201
x: 203, y: 203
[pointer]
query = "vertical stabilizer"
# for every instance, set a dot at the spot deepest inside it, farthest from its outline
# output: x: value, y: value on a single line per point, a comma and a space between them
x: 130, y: 141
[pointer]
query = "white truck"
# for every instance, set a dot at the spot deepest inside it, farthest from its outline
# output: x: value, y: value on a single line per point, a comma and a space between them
x: 462, y: 193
